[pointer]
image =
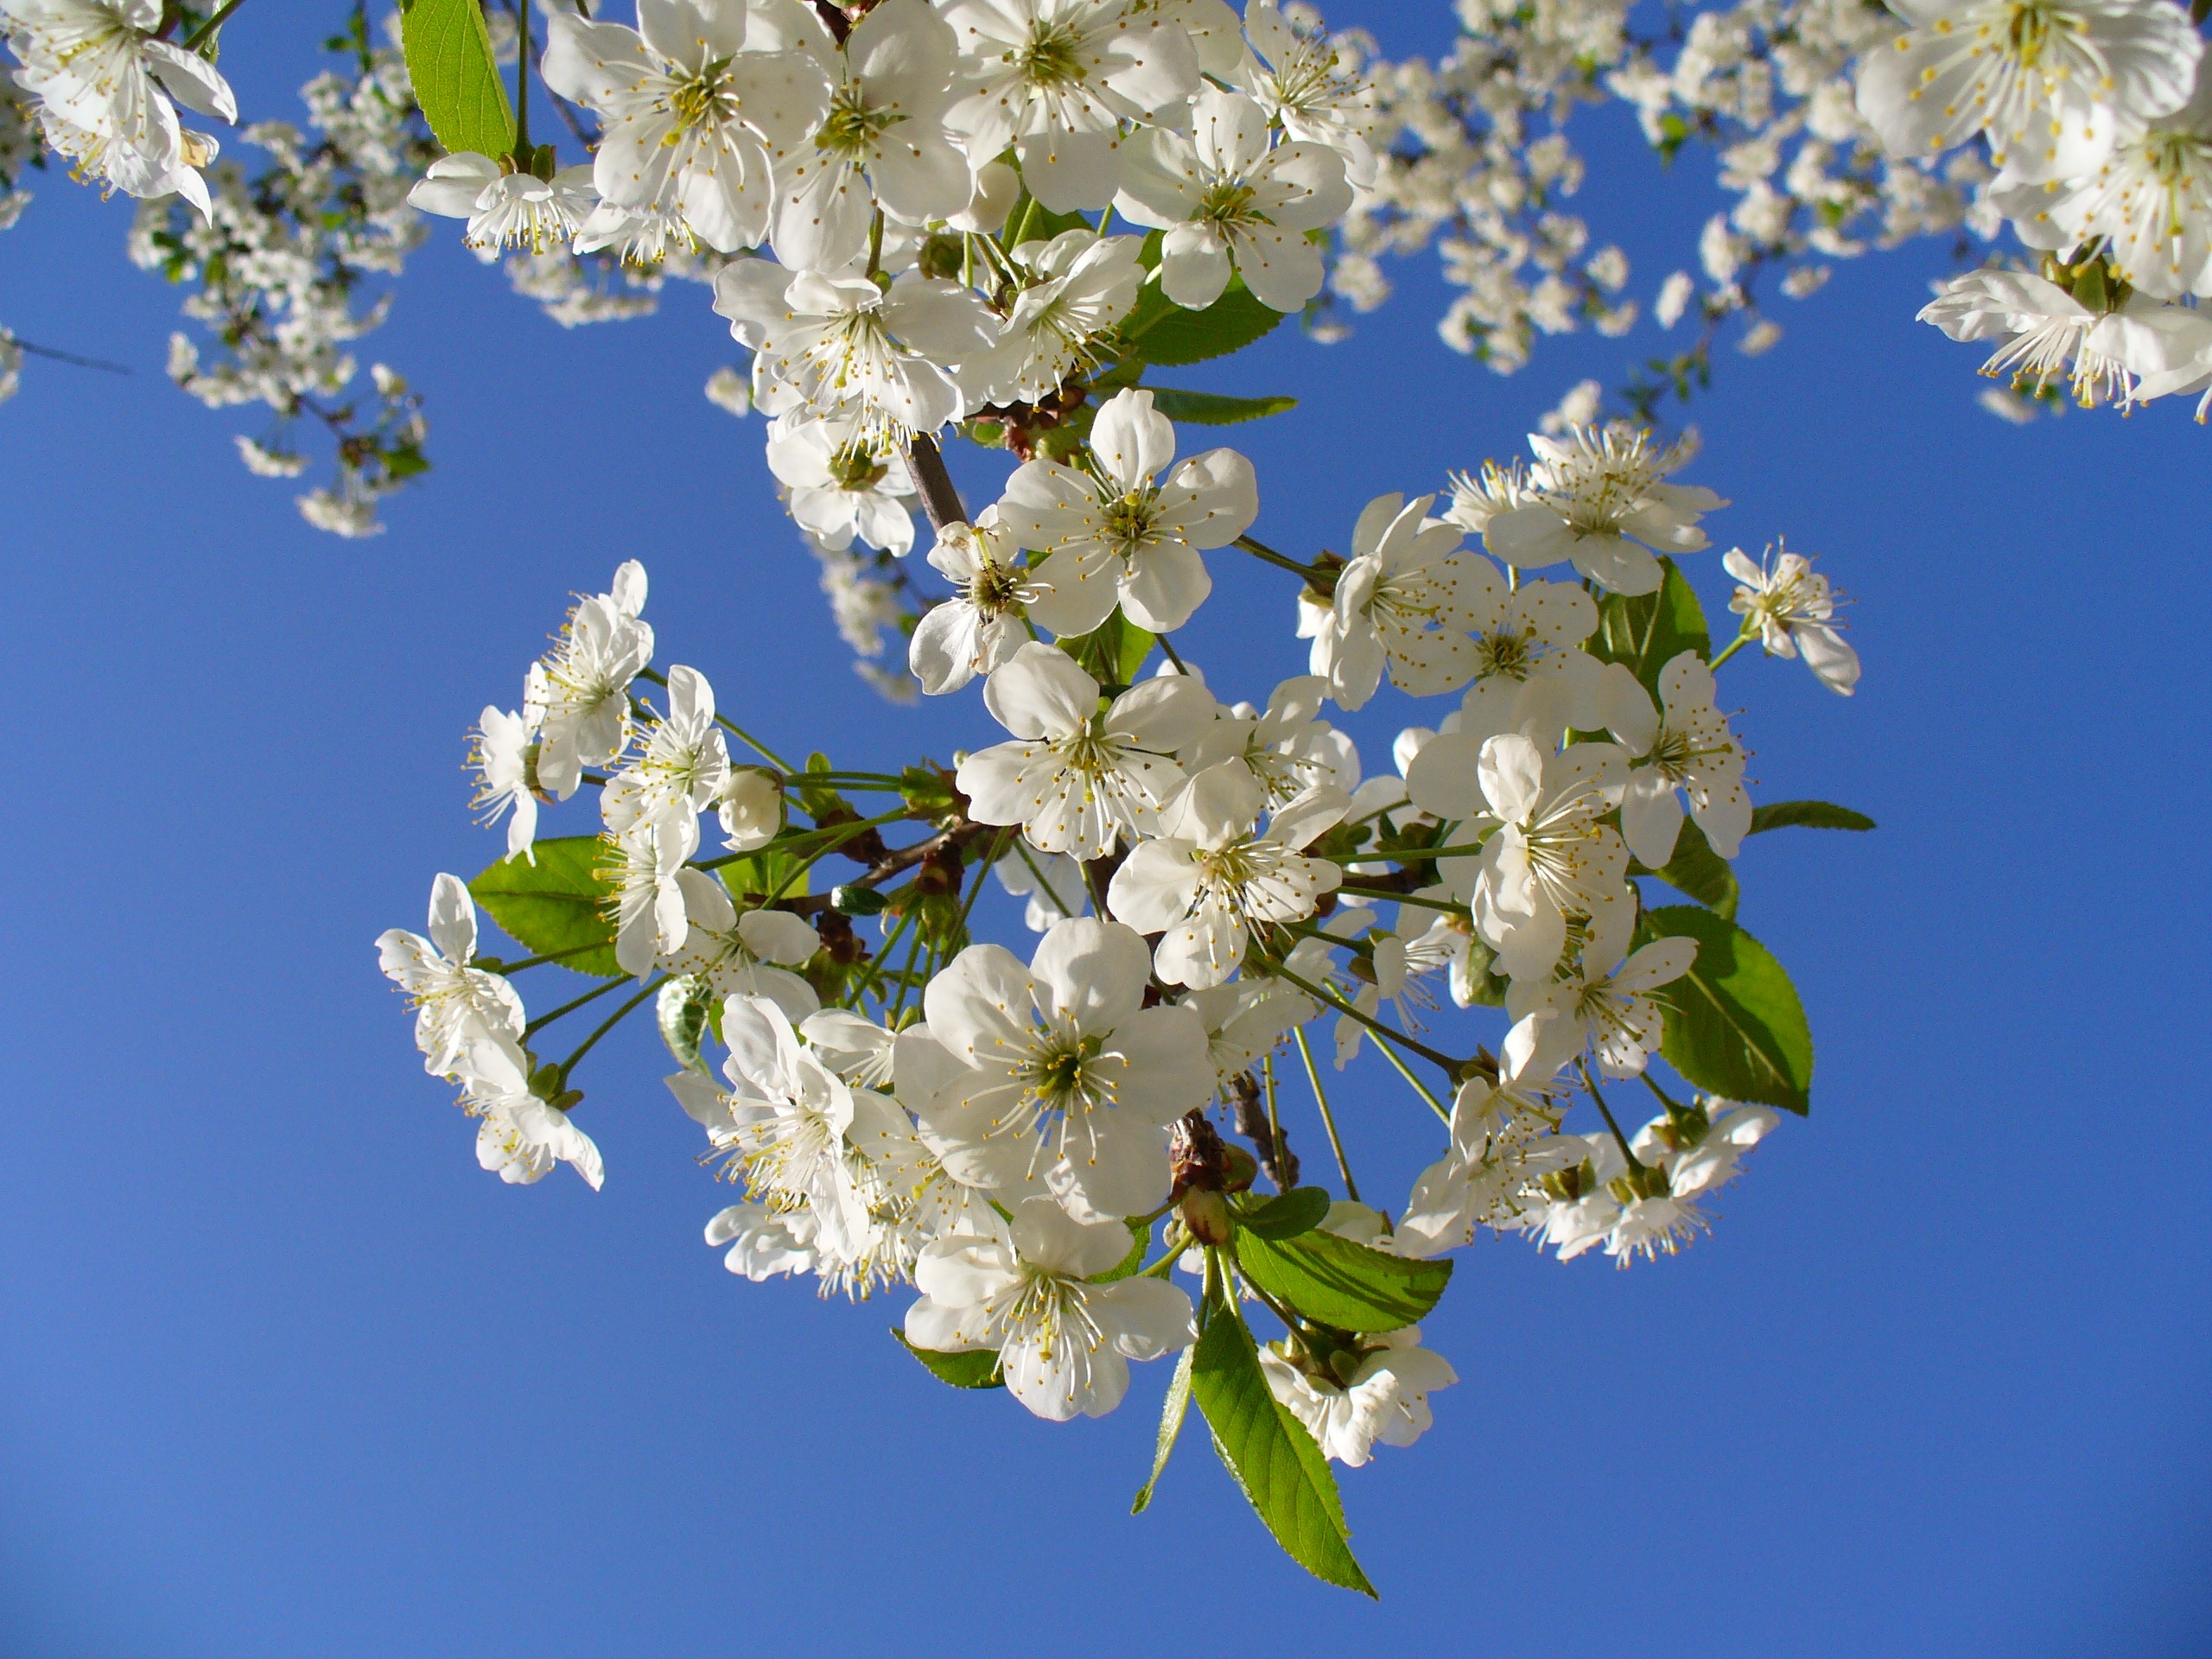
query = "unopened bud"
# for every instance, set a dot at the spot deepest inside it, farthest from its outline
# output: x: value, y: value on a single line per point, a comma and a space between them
x: 1206, y: 1214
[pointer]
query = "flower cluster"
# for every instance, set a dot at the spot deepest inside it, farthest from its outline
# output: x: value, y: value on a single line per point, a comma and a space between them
x: 282, y: 259
x: 1035, y: 1138
x: 2098, y: 118
x: 997, y: 219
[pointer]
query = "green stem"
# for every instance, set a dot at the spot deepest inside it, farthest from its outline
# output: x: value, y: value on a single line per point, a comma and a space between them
x: 1420, y: 1088
x: 875, y: 963
x: 1168, y: 645
x: 1451, y: 1067
x: 1590, y: 1084
x: 591, y: 995
x: 1275, y: 1125
x: 607, y: 1025
x: 875, y: 245
x: 1734, y: 646
x: 1043, y: 885
x: 533, y: 962
x: 1262, y: 550
x: 1448, y: 905
x: 522, y: 78
x: 1328, y: 1119
x: 191, y: 42
x: 1418, y: 855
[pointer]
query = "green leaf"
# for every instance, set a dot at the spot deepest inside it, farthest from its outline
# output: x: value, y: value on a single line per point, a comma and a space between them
x: 1172, y: 1412
x: 1649, y: 631
x: 1139, y: 1237
x: 1287, y: 1215
x: 1734, y: 1025
x: 1211, y: 409
x: 553, y: 906
x: 1699, y: 871
x: 978, y: 1369
x: 1338, y: 1283
x: 680, y: 1011
x: 1807, y: 815
x: 1273, y: 1459
x: 1159, y: 331
x: 449, y: 59
x: 1112, y: 653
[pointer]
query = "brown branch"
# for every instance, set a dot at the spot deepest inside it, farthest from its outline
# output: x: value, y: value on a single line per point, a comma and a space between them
x: 940, y: 500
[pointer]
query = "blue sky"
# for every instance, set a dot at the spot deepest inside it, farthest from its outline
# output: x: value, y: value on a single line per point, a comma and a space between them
x: 283, y: 1372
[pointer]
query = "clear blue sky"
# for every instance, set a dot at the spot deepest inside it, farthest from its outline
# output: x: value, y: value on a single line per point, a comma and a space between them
x: 282, y: 1372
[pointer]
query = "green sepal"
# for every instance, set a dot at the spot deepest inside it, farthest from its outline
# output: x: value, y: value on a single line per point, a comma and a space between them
x: 1172, y: 1410
x: 554, y: 905
x: 978, y: 1368
x: 1336, y: 1282
x: 448, y: 53
x: 1734, y: 1025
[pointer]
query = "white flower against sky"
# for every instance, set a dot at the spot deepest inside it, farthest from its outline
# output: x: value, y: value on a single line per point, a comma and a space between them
x: 457, y: 1007
x: 1063, y: 1343
x: 1520, y: 632
x: 1551, y: 857
x: 764, y: 1242
x: 1593, y: 500
x: 781, y: 1124
x: 1606, y: 999
x: 1792, y: 609
x: 750, y: 955
x: 2151, y: 202
x: 1682, y: 747
x: 1079, y: 779
x: 518, y: 1136
x: 854, y: 1046
x: 506, y: 783
x: 1403, y: 601
x: 848, y: 347
x: 681, y: 767
x: 1211, y: 873
x: 641, y: 869
x: 505, y: 208
x: 2054, y: 84
x: 585, y: 683
x: 1122, y: 537
x: 1058, y: 1070
x: 883, y: 142
x: 104, y: 83
x: 1288, y: 747
x: 1384, y: 1399
x: 841, y: 485
x: 1056, y: 78
x: 1225, y: 198
x: 1311, y: 88
x: 980, y: 626
x: 2046, y: 334
x: 1080, y: 285
x: 1702, y: 1150
x: 690, y: 120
